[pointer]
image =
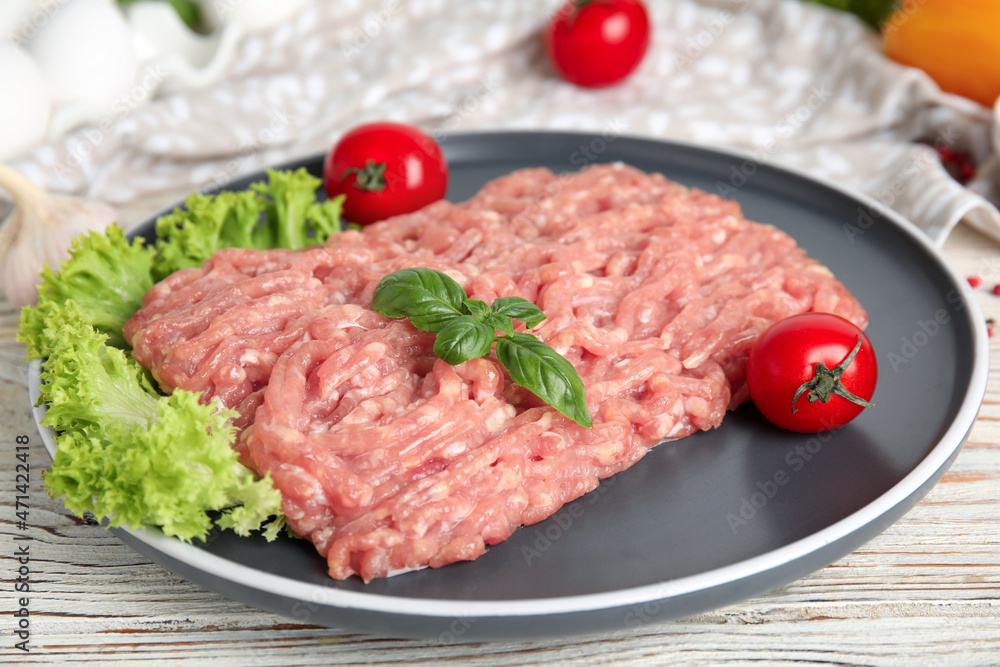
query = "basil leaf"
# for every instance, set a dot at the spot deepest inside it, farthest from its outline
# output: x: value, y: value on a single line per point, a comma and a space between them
x: 463, y: 338
x: 478, y: 309
x: 466, y: 329
x: 500, y: 322
x: 519, y: 309
x: 430, y: 299
x: 540, y: 369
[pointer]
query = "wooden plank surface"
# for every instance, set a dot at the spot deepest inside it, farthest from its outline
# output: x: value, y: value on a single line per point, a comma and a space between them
x: 925, y: 592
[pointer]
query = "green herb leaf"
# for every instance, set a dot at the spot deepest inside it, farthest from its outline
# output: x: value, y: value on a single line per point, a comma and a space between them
x: 466, y: 329
x: 463, y: 338
x: 430, y: 299
x: 519, y: 309
x: 478, y: 309
x: 540, y: 369
x: 504, y: 324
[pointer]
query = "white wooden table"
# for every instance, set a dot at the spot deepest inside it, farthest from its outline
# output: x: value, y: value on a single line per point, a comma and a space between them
x: 927, y: 591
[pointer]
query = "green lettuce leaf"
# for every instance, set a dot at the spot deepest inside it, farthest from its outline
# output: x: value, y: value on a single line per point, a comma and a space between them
x: 125, y: 452
x: 128, y: 454
x: 106, y: 276
x: 87, y: 383
x: 279, y: 213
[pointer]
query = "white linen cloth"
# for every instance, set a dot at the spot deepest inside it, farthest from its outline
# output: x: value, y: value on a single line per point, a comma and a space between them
x: 784, y: 81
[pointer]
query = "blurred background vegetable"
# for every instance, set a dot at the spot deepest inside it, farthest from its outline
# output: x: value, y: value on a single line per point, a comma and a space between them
x: 956, y: 43
x: 596, y: 44
x: 873, y: 12
x: 188, y: 10
x: 39, y: 231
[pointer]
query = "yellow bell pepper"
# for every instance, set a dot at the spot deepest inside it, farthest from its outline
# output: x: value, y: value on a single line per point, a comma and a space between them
x: 957, y: 42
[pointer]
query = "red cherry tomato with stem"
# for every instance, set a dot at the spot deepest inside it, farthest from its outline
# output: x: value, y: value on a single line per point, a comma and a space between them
x: 812, y: 372
x: 595, y: 43
x: 385, y: 169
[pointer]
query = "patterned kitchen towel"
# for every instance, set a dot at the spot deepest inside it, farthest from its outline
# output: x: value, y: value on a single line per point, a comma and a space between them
x: 779, y: 80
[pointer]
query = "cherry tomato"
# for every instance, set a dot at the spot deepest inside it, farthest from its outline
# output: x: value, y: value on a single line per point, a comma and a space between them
x: 812, y: 372
x: 596, y: 43
x: 385, y: 169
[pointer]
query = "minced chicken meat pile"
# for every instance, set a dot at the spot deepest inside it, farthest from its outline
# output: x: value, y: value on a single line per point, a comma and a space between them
x: 389, y: 459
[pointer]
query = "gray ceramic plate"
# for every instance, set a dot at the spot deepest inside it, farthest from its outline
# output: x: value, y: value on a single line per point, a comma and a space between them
x: 699, y: 523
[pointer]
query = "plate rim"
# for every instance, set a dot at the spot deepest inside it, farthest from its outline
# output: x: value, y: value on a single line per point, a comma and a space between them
x: 934, y: 463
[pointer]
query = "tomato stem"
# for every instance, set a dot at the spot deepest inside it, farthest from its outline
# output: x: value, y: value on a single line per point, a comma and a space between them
x: 826, y: 383
x: 370, y: 178
x: 577, y: 7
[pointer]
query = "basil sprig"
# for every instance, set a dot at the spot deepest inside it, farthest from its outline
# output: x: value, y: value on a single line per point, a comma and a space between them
x: 467, y: 328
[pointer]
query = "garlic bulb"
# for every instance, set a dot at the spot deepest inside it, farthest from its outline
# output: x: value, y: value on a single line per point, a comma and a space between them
x: 39, y: 232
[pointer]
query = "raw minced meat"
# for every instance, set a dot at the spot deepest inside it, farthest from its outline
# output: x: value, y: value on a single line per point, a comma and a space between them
x: 389, y: 459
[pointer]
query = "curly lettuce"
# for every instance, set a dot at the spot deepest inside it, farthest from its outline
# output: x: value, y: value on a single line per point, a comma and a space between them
x: 280, y: 213
x: 106, y: 276
x: 125, y: 452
